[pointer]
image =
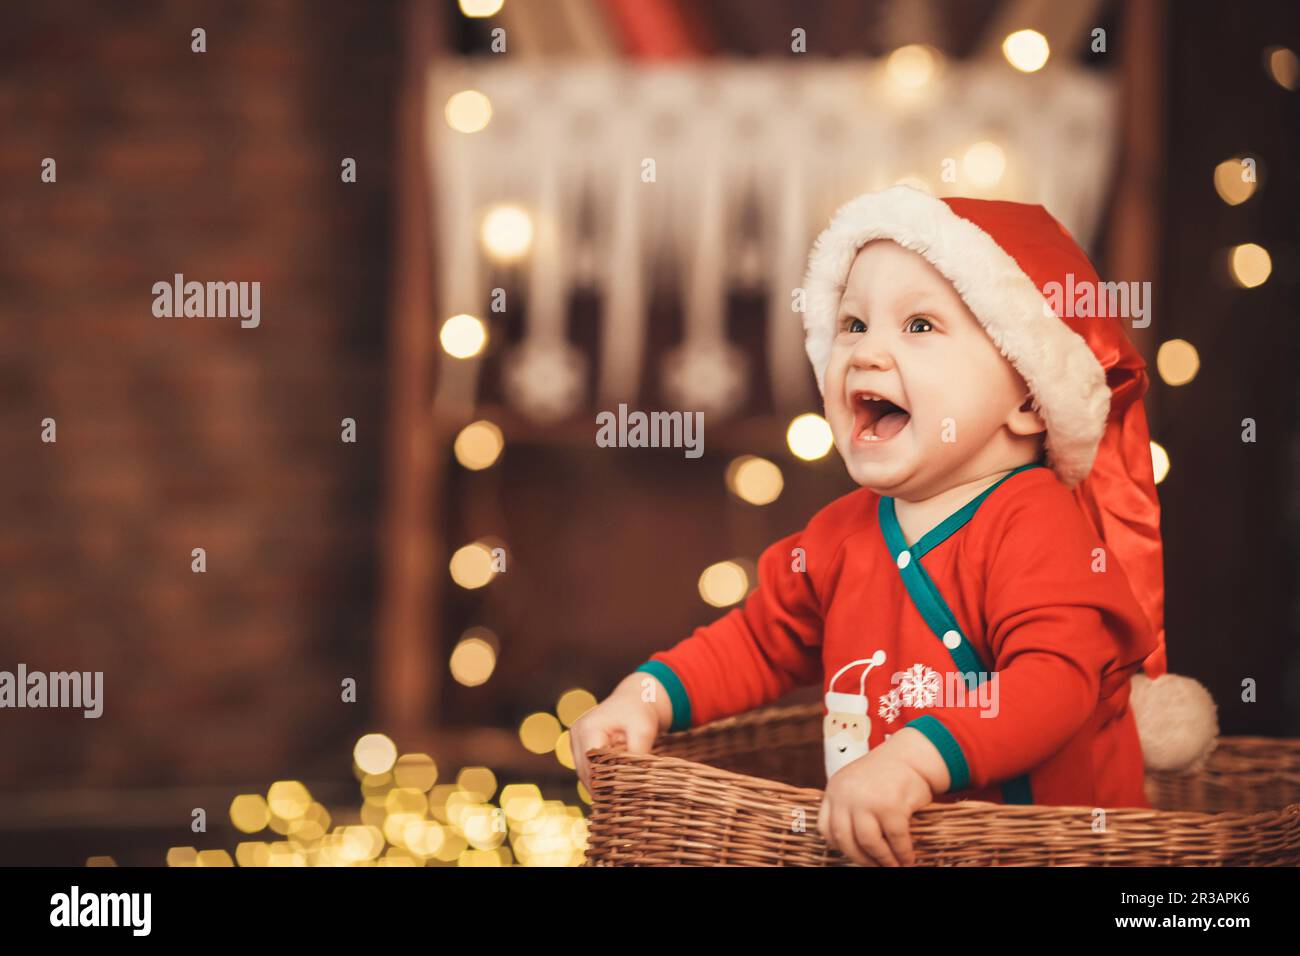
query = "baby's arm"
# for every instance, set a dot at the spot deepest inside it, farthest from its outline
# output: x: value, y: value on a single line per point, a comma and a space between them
x: 1062, y: 632
x: 753, y: 654
x: 1044, y: 687
x: 915, y: 749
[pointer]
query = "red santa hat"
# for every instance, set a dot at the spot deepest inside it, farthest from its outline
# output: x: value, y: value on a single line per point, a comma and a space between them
x: 1007, y: 260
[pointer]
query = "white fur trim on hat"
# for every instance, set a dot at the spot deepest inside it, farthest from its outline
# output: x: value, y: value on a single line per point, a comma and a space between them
x: 1068, y: 383
x: 838, y: 703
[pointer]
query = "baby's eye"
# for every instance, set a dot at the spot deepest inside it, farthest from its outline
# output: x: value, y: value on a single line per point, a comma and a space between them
x: 852, y: 324
x: 911, y: 324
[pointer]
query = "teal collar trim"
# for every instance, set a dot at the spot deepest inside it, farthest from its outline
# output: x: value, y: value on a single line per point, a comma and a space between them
x: 946, y: 528
x: 939, y: 618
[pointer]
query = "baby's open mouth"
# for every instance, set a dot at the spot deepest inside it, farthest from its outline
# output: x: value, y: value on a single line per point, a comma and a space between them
x: 876, y: 418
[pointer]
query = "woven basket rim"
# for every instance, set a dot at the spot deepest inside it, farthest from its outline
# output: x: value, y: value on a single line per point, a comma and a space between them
x: 617, y: 757
x: 661, y: 757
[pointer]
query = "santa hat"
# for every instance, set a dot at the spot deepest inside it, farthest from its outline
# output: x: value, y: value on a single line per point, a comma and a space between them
x: 838, y: 702
x: 1087, y: 382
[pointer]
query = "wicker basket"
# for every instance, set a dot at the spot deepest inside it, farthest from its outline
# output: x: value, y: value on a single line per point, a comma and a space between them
x: 730, y: 793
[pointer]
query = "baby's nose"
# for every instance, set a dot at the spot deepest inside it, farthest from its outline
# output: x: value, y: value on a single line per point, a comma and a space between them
x: 871, y: 353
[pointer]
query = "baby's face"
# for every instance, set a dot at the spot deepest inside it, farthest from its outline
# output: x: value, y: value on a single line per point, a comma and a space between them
x: 952, y: 405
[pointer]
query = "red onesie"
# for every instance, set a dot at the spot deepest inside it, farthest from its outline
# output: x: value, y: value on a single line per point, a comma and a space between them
x: 1007, y: 635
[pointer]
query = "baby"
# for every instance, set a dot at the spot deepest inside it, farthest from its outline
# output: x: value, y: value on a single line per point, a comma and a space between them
x: 969, y: 610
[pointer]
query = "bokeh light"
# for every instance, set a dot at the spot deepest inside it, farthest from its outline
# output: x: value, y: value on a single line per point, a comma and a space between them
x: 521, y: 802
x: 809, y: 437
x: 249, y: 812
x: 474, y: 657
x: 481, y: 8
x: 984, y: 163
x: 755, y: 480
x: 1159, y: 462
x: 564, y: 750
x: 477, y: 780
x: 375, y: 753
x: 723, y: 584
x: 415, y: 771
x: 375, y: 786
x: 1026, y: 50
x: 1230, y: 182
x: 1283, y: 66
x: 253, y: 853
x: 182, y: 856
x: 478, y: 445
x: 573, y: 704
x: 471, y: 565
x: 483, y: 827
x: 539, y: 732
x: 1250, y: 265
x: 1177, y: 361
x: 468, y: 111
x: 406, y: 800
x: 463, y: 336
x: 360, y: 843
x: 912, y: 66
x: 288, y: 799
x: 507, y: 232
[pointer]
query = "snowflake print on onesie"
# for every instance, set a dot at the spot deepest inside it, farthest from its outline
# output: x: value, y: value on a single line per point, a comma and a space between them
x: 918, y: 687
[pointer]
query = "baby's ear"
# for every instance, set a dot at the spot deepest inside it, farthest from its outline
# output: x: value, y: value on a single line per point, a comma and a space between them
x: 1024, y: 420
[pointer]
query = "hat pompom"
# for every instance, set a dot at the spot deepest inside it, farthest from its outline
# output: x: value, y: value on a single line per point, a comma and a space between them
x: 1177, y: 721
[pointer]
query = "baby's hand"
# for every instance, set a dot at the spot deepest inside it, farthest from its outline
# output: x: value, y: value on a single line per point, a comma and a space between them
x: 625, y: 717
x: 868, y: 806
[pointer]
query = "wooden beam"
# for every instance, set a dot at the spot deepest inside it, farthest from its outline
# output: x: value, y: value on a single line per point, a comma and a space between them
x: 407, y: 641
x: 1132, y: 250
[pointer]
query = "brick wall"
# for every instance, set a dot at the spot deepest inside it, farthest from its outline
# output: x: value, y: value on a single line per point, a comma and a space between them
x: 191, y: 432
